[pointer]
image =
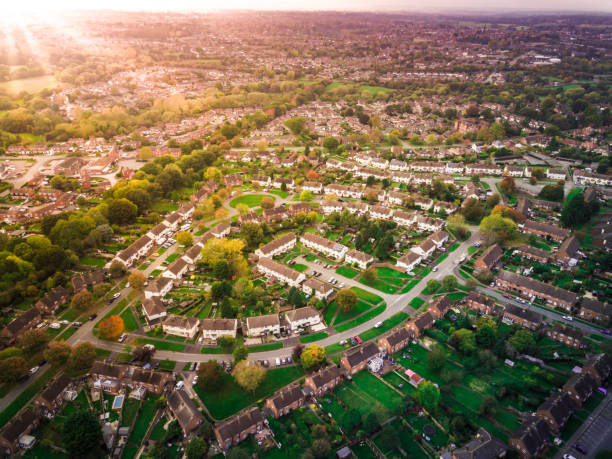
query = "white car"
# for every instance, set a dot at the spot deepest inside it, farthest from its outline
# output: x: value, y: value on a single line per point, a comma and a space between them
x: 378, y: 324
x: 195, y: 379
x: 434, y: 269
x: 568, y: 318
x: 116, y: 295
x: 34, y: 370
x: 568, y: 456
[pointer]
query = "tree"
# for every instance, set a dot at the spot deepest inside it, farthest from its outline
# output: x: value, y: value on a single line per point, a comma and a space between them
x: 82, y: 300
x: 312, y: 356
x: 145, y: 153
x: 523, y: 340
x: 351, y: 419
x: 242, y: 209
x: 331, y: 143
x: 82, y: 356
x: 507, y: 186
x: 371, y: 423
x: 33, y: 340
x: 12, y: 368
x: 226, y: 341
x: 576, y: 211
x: 435, y: 360
x: 472, y: 210
x: 432, y: 285
x: 197, y: 448
x: 295, y: 297
x: 222, y: 270
x: 111, y: 327
x: 248, y: 375
x: 428, y: 395
x: 486, y: 335
x: 122, y: 211
x: 552, y: 192
x: 498, y: 229
x: 370, y: 275
x: 463, y: 340
x: 389, y: 437
x: 117, y: 269
x: 296, y: 124
x: 240, y: 353
x: 81, y: 434
x: 488, y: 407
x: 506, y: 212
x: 297, y: 352
x: 267, y: 202
x: 137, y: 281
x: 184, y: 238
x: 320, y: 448
x: 229, y: 250
x: 346, y: 299
x: 252, y: 233
x: 238, y: 453
x: 456, y: 223
x: 312, y: 175
x: 450, y: 282
x: 306, y: 196
x: 57, y: 353
x: 213, y: 173
x: 209, y: 375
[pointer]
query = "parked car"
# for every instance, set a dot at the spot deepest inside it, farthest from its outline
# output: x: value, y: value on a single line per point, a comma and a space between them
x: 568, y: 456
x: 116, y: 295
x: 605, y: 331
x: 277, y: 362
x: 77, y: 324
x: 434, y: 269
x: 93, y: 316
x: 122, y: 338
x: 34, y: 370
x: 378, y: 324
x: 195, y: 379
x: 568, y: 318
x: 343, y: 342
x: 580, y: 448
x: 179, y: 385
x: 358, y: 339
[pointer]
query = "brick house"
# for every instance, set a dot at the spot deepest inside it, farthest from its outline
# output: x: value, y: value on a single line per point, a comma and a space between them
x: 395, y: 340
x: 580, y: 388
x: 544, y: 230
x: 489, y: 258
x: 356, y: 359
x: 51, y: 400
x: 593, y: 309
x: 181, y: 407
x: 420, y: 323
x: 598, y: 367
x: 285, y: 400
x: 482, y: 446
x: 480, y: 303
x: 531, y: 438
x: 532, y: 253
x: 24, y: 322
x: 525, y: 317
x: 531, y: 288
x: 567, y: 254
x: 52, y: 301
x: 324, y: 380
x: 237, y: 428
x: 565, y: 334
x: 556, y: 411
x: 16, y: 428
x: 440, y: 306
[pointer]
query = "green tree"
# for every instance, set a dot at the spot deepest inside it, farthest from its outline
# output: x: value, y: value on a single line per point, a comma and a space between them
x: 507, y: 186
x: 81, y: 434
x: 371, y: 423
x: 450, y: 282
x: 137, y: 281
x: 576, y: 211
x: 145, y: 153
x: 351, y: 419
x: 331, y: 143
x: 222, y: 270
x: 184, y: 238
x: 498, y: 229
x: 486, y: 335
x: 82, y: 356
x: 197, y: 448
x: 296, y: 125
x: 33, y: 340
x: 12, y: 368
x: 121, y: 211
x: 428, y: 395
x: 226, y: 341
x: 463, y: 340
x: 370, y: 275
x: 523, y: 340
x: 57, y: 353
x: 312, y: 356
x: 210, y: 375
x: 436, y: 359
x: 552, y: 192
x: 248, y: 375
x: 346, y: 299
x: 295, y: 297
x: 240, y: 353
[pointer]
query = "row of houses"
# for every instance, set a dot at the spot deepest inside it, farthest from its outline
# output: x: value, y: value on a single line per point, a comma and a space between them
x: 366, y: 160
x: 422, y: 251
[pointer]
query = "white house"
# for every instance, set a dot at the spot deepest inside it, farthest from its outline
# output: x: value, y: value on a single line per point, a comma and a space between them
x: 221, y: 230
x: 380, y: 212
x: 159, y: 287
x: 263, y: 325
x: 313, y: 187
x: 277, y: 246
x: 329, y: 207
x: 320, y: 290
x: 184, y: 326
x: 271, y: 268
x: 423, y: 203
x: 397, y: 197
x: 359, y: 208
x: 398, y: 165
x: 136, y: 250
x: 425, y: 249
x: 361, y: 259
x: 439, y: 238
x: 176, y: 269
x: 555, y: 174
x: 409, y: 261
x: 153, y: 309
x: 401, y: 177
x: 212, y: 329
x: 193, y: 253
x: 403, y: 218
x: 316, y: 242
x: 302, y: 318
x: 429, y: 224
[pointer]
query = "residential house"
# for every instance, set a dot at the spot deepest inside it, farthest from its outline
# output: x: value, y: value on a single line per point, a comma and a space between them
x: 359, y: 208
x: 440, y: 306
x: 285, y: 400
x: 268, y: 324
x: 107, y: 376
x: 357, y: 358
x: 489, y: 259
x: 136, y: 250
x: 556, y: 411
x: 593, y: 309
x: 482, y: 304
x: 283, y: 273
x: 52, y: 301
x: 24, y: 322
x: 329, y: 207
x: 329, y: 248
x: 262, y: 180
x: 395, y: 340
x: 534, y: 254
x: 153, y: 381
x: 598, y: 367
x: 579, y: 387
x: 153, y: 309
x: 181, y: 407
x: 361, y: 259
x: 212, y: 329
x: 324, y: 380
x: 159, y: 233
x: 555, y: 174
x: 16, y: 428
x: 544, y: 230
x: 184, y: 326
x: 176, y: 269
x: 159, y: 287
x: 302, y: 318
x: 193, y: 253
x: 81, y: 281
x: 525, y: 317
x: 404, y: 218
x: 565, y: 334
x: 425, y: 249
x: 420, y: 323
x: 582, y: 177
x: 237, y: 428
x: 232, y: 180
x: 221, y: 230
x: 409, y: 261
x: 251, y: 217
x: 531, y: 438
x: 568, y: 254
x: 276, y: 214
x: 51, y: 400
x: 532, y: 288
x: 320, y: 290
x: 482, y: 446
x: 313, y: 187
x: 380, y: 213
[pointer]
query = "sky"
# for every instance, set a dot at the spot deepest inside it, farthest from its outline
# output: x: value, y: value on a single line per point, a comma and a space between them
x: 21, y: 6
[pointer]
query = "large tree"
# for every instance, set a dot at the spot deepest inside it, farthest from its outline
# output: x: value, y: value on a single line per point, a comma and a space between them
x: 82, y: 300
x: 576, y: 211
x: 210, y: 375
x: 248, y: 375
x: 498, y: 229
x: 111, y: 327
x: 428, y: 395
x: 197, y: 448
x: 83, y: 356
x: 33, y: 340
x: 137, y: 281
x: 312, y: 356
x: 122, y: 211
x: 346, y: 299
x: 57, y: 353
x: 81, y: 434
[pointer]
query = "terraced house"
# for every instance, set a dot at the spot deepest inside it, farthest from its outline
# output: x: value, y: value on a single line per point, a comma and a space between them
x: 285, y: 400
x: 324, y: 380
x: 361, y: 259
x: 302, y: 318
x: 213, y: 329
x: 532, y: 288
x: 396, y: 340
x: 356, y: 359
x: 239, y: 427
x: 263, y: 325
x: 544, y: 230
x: 525, y: 317
x: 320, y: 244
x: 272, y: 269
x: 277, y: 246
x: 321, y: 290
x: 531, y: 438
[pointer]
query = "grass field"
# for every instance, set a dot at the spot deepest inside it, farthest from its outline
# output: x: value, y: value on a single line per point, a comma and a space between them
x: 265, y: 347
x: 347, y: 272
x: 160, y: 345
x: 384, y: 271
x: 387, y: 325
x: 140, y: 427
x: 313, y: 337
x: 231, y: 398
x: 379, y: 285
x: 330, y: 312
x: 343, y: 316
x: 361, y: 319
x: 366, y: 296
x: 129, y: 321
x: 416, y: 303
x: 410, y: 285
x: 91, y: 261
x: 251, y: 200
x: 31, y: 85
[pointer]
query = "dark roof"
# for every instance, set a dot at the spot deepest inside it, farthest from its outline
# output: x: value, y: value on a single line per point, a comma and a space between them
x: 567, y: 330
x: 55, y: 388
x: 239, y: 423
x: 582, y: 384
x: 482, y: 446
x: 424, y: 320
x: 596, y: 306
x: 218, y: 324
x: 183, y: 408
x: 534, y: 252
x: 525, y: 314
x: 19, y: 425
x: 539, y: 287
x: 534, y: 433
x: 491, y: 255
x: 361, y: 354
x: 482, y: 299
x: 522, y: 207
x: 286, y: 396
x: 326, y: 375
x: 57, y: 295
x: 443, y: 303
x: 152, y: 377
x: 600, y: 363
x: 560, y: 406
x: 569, y: 247
x: 398, y: 336
x: 23, y: 320
x: 546, y: 228
x: 107, y: 369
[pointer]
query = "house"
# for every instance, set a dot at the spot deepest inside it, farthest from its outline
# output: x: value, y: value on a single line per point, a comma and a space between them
x: 425, y: 249
x: 159, y: 287
x: 593, y: 309
x: 329, y: 248
x: 356, y: 359
x: 404, y: 218
x: 440, y: 306
x: 550, y: 206
x: 81, y: 281
x: 420, y: 323
x: 193, y: 253
x: 172, y: 220
x: 268, y: 324
x: 52, y: 301
x: 276, y: 214
x: 213, y: 329
x: 544, y: 230
x: 159, y: 233
x: 24, y: 322
x: 16, y: 429
x: 582, y: 177
x: 299, y: 208
x: 232, y: 180
x: 237, y: 428
x: 151, y: 380
x: 531, y: 438
x: 321, y: 290
x: 221, y: 230
x: 409, y: 261
x: 598, y: 367
x: 302, y: 318
x: 181, y: 407
x: 489, y: 258
x: 531, y: 288
x: 313, y: 187
x: 186, y: 210
x: 414, y: 378
x: 285, y: 400
x: 525, y: 317
x: 361, y: 259
x: 324, y: 380
x: 568, y: 253
x: 251, y: 217
x: 397, y: 197
x: 447, y: 207
x: 283, y: 273
x: 565, y: 334
x: 513, y: 171
x: 555, y: 174
x: 482, y: 446
x: 395, y: 340
x: 153, y: 309
x: 359, y: 208
x: 184, y: 326
x: 423, y: 203
x: 329, y: 207
x: 556, y: 411
x: 534, y: 254
x: 51, y: 400
x: 579, y: 387
x: 344, y: 191
x: 108, y: 376
x: 176, y: 269
x: 482, y: 304
x: 262, y: 180
x: 439, y: 238
x: 429, y: 224
x: 380, y: 213
x: 136, y: 250
x: 523, y: 206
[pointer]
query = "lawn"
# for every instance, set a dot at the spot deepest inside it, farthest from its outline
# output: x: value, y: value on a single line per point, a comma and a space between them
x: 387, y: 325
x: 343, y: 316
x: 361, y: 319
x: 416, y: 303
x: 91, y: 261
x: 156, y: 272
x: 31, y: 85
x: 384, y: 271
x: 374, y: 90
x: 313, y: 337
x: 158, y: 432
x: 379, y: 285
x: 410, y: 285
x: 430, y: 290
x: 347, y: 272
x: 115, y: 311
x: 167, y: 365
x: 129, y: 321
x: 250, y: 200
x: 330, y: 312
x: 265, y: 347
x: 231, y: 398
x: 299, y: 267
x: 172, y: 257
x: 366, y: 296
x: 160, y: 345
x: 142, y: 424
x: 280, y: 193
x: 453, y: 247
x: 129, y: 412
x: 441, y: 258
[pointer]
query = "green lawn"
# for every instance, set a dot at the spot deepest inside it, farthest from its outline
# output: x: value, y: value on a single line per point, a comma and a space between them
x: 387, y: 325
x: 384, y: 271
x: 129, y: 412
x: 430, y: 291
x: 343, y: 316
x: 115, y: 311
x: 453, y: 247
x: 280, y: 193
x: 172, y: 257
x: 130, y: 322
x: 145, y: 418
x: 379, y: 285
x: 330, y: 312
x: 231, y: 398
x: 361, y: 319
x: 156, y: 272
x: 299, y: 267
x: 410, y: 285
x: 347, y: 272
x: 366, y: 296
x: 416, y: 303
x: 91, y: 261
x: 251, y: 200
x: 31, y: 85
x: 158, y: 432
x: 265, y: 347
x: 167, y: 365
x: 160, y: 345
x: 314, y: 337
x: 441, y: 258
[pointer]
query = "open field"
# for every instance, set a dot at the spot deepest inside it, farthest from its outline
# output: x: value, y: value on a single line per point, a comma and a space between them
x: 32, y: 85
x: 251, y: 200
